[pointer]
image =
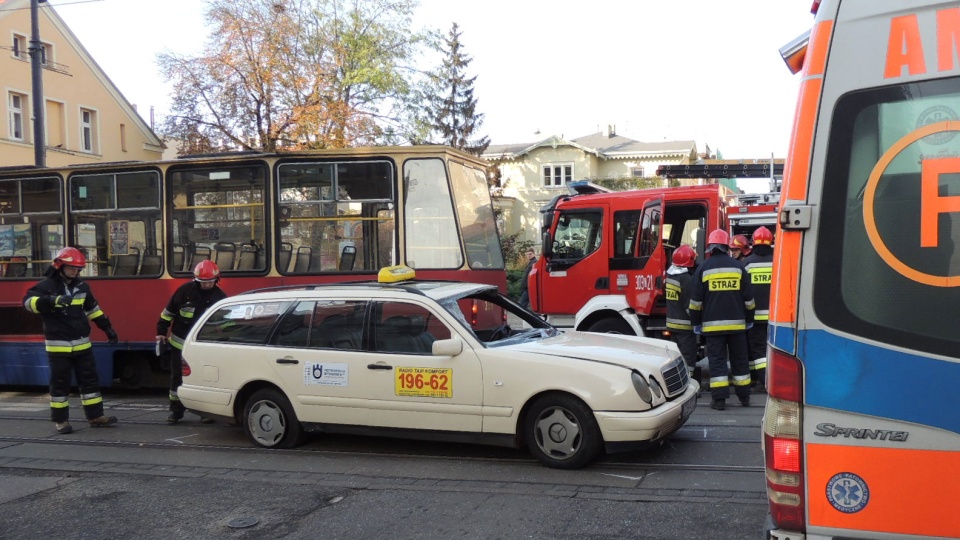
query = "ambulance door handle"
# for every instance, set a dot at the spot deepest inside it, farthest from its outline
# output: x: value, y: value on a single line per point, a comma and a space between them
x: 287, y: 361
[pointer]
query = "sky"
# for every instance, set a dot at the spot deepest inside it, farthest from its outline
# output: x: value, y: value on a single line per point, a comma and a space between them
x: 658, y: 70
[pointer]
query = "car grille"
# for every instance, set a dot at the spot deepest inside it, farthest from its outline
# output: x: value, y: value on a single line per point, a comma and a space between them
x: 675, y: 375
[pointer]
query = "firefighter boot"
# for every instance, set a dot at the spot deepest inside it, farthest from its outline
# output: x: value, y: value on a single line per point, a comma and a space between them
x: 718, y: 404
x: 63, y: 427
x: 103, y: 421
x: 175, y: 417
x: 745, y: 401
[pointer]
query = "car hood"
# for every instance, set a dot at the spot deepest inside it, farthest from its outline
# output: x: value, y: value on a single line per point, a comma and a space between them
x: 614, y: 349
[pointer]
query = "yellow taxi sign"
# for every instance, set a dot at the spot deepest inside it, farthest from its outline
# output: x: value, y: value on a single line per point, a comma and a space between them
x: 393, y: 274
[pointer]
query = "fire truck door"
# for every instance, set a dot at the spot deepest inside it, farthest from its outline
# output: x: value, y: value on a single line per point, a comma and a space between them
x: 647, y: 282
x: 576, y: 265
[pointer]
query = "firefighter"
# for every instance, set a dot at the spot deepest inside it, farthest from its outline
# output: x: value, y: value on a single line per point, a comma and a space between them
x: 678, y: 298
x: 721, y: 309
x: 186, y: 305
x: 66, y: 304
x: 739, y: 247
x: 760, y: 267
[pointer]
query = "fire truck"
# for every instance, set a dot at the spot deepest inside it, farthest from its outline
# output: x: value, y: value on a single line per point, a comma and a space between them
x: 604, y: 253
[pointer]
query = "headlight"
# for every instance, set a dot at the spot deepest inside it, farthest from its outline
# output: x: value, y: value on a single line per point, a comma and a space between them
x: 655, y: 386
x: 641, y: 386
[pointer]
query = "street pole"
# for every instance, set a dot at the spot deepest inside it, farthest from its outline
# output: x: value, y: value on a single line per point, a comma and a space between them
x: 36, y: 72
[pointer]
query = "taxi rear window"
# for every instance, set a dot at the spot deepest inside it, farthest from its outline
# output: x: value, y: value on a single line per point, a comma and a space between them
x: 247, y: 323
x: 886, y: 267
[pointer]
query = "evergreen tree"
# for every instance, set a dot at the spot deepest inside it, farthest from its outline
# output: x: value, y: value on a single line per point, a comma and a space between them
x: 452, y: 116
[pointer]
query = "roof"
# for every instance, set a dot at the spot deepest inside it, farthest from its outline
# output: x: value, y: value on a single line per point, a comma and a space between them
x: 46, y: 10
x: 599, y: 144
x: 437, y: 290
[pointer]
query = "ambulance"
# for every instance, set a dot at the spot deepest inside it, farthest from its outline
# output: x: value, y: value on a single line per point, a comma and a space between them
x: 861, y: 430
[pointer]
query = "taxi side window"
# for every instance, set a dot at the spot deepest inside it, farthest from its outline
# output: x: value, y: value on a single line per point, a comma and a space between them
x: 338, y: 324
x: 247, y: 323
x: 294, y: 327
x: 406, y: 328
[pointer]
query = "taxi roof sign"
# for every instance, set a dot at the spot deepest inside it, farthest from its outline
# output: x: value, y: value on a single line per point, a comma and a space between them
x: 393, y: 274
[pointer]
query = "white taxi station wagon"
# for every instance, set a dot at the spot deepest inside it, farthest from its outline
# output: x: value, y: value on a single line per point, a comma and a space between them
x: 429, y: 359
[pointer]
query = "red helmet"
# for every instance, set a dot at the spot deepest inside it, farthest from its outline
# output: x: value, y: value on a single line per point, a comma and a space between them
x: 69, y: 256
x: 740, y: 242
x: 684, y: 256
x: 206, y: 271
x: 762, y: 237
x: 718, y: 236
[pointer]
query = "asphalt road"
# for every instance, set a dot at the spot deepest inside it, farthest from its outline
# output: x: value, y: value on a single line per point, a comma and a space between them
x: 149, y: 480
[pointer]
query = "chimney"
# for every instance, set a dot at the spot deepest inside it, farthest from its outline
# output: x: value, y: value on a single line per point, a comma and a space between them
x: 610, y: 131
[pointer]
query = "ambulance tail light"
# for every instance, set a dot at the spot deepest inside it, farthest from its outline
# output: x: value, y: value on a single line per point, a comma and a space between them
x: 815, y: 7
x: 782, y: 441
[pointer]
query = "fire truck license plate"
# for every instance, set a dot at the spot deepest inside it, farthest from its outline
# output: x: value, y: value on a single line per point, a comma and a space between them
x: 424, y: 382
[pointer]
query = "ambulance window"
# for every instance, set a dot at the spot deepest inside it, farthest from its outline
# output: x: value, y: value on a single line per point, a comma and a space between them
x: 885, y: 252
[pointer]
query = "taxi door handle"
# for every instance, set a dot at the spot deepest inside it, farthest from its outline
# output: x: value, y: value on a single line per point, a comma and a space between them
x: 378, y: 366
x: 287, y: 361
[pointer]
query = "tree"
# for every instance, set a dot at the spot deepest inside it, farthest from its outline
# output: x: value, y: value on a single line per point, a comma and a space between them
x: 294, y: 74
x: 452, y: 113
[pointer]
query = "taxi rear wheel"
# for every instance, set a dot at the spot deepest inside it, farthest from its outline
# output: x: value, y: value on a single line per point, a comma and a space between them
x: 269, y: 420
x: 562, y: 432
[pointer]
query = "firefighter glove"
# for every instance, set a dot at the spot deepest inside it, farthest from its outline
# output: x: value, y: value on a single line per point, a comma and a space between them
x: 111, y: 335
x: 60, y: 302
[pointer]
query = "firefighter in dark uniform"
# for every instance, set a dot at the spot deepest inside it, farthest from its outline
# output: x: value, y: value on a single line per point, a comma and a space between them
x: 759, y: 265
x: 739, y: 247
x: 186, y: 305
x: 66, y: 304
x: 721, y: 308
x: 678, y: 299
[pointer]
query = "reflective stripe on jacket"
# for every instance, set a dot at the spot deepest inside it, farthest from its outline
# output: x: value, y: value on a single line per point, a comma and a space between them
x: 721, y: 297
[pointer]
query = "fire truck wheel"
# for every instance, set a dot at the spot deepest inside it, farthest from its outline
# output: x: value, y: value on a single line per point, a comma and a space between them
x: 611, y: 326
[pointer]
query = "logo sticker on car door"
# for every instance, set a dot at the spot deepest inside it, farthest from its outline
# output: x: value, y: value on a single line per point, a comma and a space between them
x: 326, y: 374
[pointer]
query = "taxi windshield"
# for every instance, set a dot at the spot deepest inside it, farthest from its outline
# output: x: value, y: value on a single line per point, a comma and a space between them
x: 496, y: 320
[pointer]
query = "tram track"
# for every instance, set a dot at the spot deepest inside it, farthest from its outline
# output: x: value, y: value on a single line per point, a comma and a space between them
x: 610, y: 463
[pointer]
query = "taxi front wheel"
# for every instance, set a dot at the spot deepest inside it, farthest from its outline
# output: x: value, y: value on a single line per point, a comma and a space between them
x: 562, y: 432
x: 269, y: 420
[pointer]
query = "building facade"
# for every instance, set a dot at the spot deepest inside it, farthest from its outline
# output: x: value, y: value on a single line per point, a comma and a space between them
x: 531, y: 174
x: 86, y: 118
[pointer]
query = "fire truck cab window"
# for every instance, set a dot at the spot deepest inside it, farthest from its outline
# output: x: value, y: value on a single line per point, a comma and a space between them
x: 578, y: 234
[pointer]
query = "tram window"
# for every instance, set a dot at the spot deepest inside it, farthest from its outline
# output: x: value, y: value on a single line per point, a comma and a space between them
x: 116, y: 217
x: 215, y: 210
x: 31, y: 226
x: 342, y: 211
x: 430, y: 226
x: 475, y: 212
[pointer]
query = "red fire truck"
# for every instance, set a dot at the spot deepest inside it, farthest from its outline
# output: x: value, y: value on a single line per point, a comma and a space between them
x: 604, y: 253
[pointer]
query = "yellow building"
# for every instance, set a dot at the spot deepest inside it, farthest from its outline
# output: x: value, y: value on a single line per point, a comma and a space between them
x: 86, y: 118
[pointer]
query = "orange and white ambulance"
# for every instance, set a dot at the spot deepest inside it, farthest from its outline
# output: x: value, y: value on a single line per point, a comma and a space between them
x: 862, y: 425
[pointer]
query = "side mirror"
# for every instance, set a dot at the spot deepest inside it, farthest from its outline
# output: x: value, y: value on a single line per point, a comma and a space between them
x: 447, y: 347
x: 547, y: 248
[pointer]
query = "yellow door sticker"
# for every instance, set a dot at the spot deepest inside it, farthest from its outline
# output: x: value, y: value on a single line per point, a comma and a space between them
x: 424, y: 382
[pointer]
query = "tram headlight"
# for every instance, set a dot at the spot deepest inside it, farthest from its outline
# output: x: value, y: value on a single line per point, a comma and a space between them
x: 641, y: 386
